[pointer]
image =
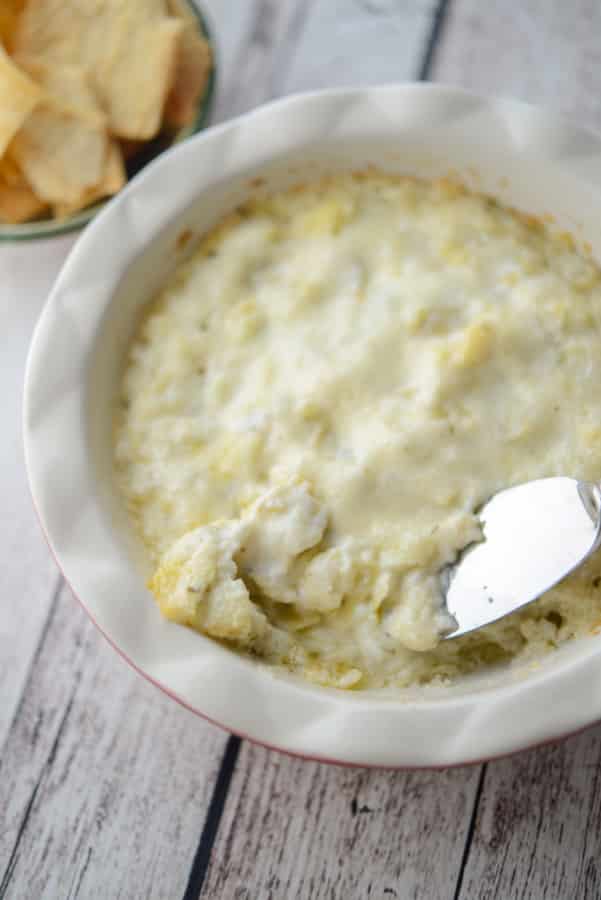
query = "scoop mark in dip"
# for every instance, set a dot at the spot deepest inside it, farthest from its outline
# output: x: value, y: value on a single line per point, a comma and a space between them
x: 321, y: 396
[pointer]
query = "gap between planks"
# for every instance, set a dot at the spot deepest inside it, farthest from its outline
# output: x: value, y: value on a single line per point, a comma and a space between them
x: 58, y: 586
x: 202, y: 856
x: 470, y: 832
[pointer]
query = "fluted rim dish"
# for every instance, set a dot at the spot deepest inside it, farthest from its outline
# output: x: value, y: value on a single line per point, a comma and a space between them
x: 526, y: 157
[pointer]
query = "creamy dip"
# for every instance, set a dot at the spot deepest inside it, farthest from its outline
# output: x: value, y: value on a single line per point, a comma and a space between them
x: 320, y: 399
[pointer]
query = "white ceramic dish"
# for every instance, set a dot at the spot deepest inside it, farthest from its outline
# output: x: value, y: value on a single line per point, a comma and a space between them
x: 525, y: 157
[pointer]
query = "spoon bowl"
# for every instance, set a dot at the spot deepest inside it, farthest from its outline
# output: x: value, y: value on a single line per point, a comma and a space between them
x: 534, y: 535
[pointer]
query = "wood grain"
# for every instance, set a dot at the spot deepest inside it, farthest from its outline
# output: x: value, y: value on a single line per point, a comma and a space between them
x: 29, y: 576
x: 538, y: 831
x: 296, y: 45
x: 254, y: 42
x: 299, y: 829
x: 104, y: 781
x: 358, y: 42
x: 231, y: 23
x: 536, y: 50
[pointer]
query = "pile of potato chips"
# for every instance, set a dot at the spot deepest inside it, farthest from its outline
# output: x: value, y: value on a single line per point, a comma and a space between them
x: 83, y: 84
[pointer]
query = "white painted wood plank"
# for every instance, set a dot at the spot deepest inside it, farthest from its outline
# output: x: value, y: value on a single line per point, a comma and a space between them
x: 537, y: 828
x: 359, y: 42
x: 538, y: 831
x: 297, y: 829
x: 267, y: 48
x: 29, y: 575
x: 231, y: 22
x: 536, y: 50
x: 104, y: 781
x: 254, y: 42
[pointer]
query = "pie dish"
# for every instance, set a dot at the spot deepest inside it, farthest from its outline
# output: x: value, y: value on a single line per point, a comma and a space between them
x: 525, y: 158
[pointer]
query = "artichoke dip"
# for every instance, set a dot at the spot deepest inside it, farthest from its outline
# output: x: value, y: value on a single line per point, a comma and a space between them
x: 323, y: 395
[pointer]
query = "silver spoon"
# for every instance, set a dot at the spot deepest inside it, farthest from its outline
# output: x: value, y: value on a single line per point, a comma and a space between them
x: 534, y: 535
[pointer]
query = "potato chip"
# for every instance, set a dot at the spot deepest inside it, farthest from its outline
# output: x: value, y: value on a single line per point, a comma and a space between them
x: 112, y: 181
x: 19, y: 95
x: 70, y: 86
x: 10, y: 171
x: 181, y: 10
x: 9, y: 14
x: 62, y: 146
x: 61, y: 155
x: 137, y: 85
x: 129, y: 46
x: 192, y: 69
x: 80, y: 31
x: 114, y: 171
x: 18, y: 203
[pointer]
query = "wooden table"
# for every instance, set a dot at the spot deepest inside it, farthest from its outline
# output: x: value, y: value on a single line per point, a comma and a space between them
x: 108, y: 789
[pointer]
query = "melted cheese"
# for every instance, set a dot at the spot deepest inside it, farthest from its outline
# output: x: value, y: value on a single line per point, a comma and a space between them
x: 321, y: 398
